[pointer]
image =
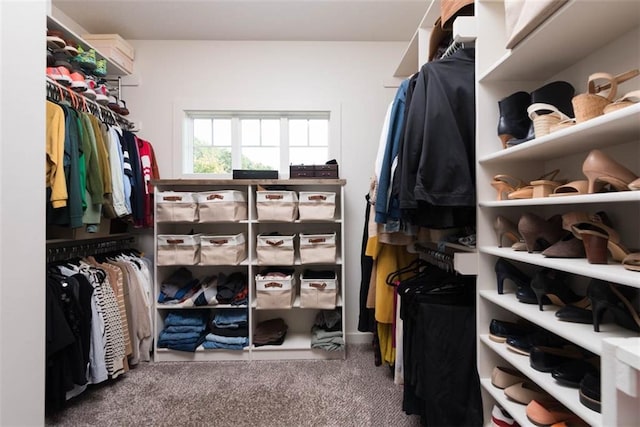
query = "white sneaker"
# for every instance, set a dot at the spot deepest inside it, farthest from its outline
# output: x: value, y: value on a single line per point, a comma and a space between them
x: 501, y: 418
x: 102, y: 94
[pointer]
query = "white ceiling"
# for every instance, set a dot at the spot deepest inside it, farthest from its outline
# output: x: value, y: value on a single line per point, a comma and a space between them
x: 291, y: 20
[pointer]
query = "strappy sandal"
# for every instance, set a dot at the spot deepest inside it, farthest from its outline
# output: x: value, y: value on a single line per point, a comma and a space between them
x: 505, y: 185
x: 589, y: 105
x: 627, y: 100
x: 540, y: 187
x: 542, y: 122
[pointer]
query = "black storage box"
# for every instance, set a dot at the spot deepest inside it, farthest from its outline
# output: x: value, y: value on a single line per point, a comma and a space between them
x: 254, y: 174
x: 313, y: 171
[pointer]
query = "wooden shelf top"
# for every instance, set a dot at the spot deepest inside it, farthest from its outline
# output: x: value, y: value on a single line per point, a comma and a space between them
x: 303, y: 181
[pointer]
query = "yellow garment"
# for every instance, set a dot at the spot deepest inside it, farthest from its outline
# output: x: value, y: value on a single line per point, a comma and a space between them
x: 388, y: 259
x: 385, y: 336
x: 55, y: 156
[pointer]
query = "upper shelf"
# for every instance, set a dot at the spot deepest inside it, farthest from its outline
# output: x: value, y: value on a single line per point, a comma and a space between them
x: 113, y: 69
x: 410, y: 61
x: 611, y: 197
x: 615, y: 128
x: 551, y: 47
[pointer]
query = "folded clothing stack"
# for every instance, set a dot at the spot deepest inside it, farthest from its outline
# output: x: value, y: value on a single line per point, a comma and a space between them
x: 326, y: 333
x: 228, y: 330
x: 183, y: 330
x: 270, y: 332
x: 233, y: 289
x: 182, y: 289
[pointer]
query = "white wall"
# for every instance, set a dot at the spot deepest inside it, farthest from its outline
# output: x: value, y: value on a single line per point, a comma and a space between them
x: 22, y: 215
x: 255, y: 74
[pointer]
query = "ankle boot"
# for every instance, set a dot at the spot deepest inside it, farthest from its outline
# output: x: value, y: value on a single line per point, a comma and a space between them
x: 514, y: 122
x: 558, y: 93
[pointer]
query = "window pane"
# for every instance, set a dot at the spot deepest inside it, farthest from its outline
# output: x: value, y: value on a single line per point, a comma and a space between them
x: 211, y: 160
x: 201, y: 132
x: 260, y: 158
x: 308, y: 155
x: 298, y: 132
x: 270, y: 133
x: 250, y: 132
x: 319, y: 133
x: 222, y: 132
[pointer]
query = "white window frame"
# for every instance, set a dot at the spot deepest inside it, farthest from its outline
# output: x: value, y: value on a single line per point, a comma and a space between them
x: 186, y: 110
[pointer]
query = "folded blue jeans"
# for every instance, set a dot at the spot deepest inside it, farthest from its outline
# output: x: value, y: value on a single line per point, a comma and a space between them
x: 227, y: 340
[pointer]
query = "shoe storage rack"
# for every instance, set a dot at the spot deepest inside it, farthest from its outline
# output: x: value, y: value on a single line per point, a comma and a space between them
x: 579, y: 39
x: 297, y: 343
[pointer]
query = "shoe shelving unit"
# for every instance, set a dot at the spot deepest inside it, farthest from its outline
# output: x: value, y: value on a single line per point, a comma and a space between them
x: 579, y: 39
x: 297, y: 344
x: 113, y: 69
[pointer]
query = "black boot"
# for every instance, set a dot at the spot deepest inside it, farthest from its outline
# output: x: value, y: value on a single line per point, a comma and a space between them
x: 558, y: 94
x: 514, y: 122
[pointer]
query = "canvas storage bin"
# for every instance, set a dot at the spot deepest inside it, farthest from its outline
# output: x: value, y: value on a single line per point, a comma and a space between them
x: 316, y: 205
x: 223, y: 205
x: 318, y: 293
x: 275, y: 249
x: 318, y: 248
x: 178, y: 249
x: 175, y: 206
x: 275, y: 291
x: 277, y: 205
x: 223, y: 250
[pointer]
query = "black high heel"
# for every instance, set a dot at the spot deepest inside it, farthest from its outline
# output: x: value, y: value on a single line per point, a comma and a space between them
x: 607, y: 296
x: 553, y: 284
x: 506, y: 270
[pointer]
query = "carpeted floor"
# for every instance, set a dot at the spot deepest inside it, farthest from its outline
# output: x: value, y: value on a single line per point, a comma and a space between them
x: 351, y: 392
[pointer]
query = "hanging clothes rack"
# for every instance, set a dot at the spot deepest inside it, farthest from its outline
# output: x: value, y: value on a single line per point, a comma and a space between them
x: 440, y: 258
x: 58, y: 250
x: 59, y: 93
x: 464, y: 35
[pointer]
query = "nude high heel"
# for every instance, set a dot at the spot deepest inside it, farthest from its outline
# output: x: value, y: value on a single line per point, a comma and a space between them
x: 539, y: 234
x: 600, y: 167
x: 504, y: 228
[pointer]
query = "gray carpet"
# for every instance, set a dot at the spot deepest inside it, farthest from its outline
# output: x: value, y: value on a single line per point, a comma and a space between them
x: 351, y: 392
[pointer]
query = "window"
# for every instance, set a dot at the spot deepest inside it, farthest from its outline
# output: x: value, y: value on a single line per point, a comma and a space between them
x: 216, y: 143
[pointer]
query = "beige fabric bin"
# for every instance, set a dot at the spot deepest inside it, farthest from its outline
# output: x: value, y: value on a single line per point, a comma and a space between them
x: 175, y: 206
x: 223, y: 250
x: 317, y: 205
x: 275, y: 292
x: 318, y: 248
x: 318, y: 293
x: 277, y: 205
x: 224, y: 205
x: 275, y: 249
x: 178, y: 249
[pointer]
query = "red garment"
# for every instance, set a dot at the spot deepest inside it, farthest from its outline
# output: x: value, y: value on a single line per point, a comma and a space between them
x: 149, y: 168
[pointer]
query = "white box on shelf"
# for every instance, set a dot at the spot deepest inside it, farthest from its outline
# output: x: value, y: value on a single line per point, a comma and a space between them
x: 222, y: 205
x: 318, y: 248
x: 178, y: 249
x: 223, y: 250
x: 275, y: 291
x: 277, y: 205
x: 275, y: 249
x: 111, y: 40
x: 318, y: 293
x: 176, y: 206
x: 317, y: 205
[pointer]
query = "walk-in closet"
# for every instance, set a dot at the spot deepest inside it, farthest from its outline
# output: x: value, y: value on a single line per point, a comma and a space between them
x: 320, y: 213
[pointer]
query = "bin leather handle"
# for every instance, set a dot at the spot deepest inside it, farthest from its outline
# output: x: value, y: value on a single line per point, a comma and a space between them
x: 319, y: 240
x: 273, y: 196
x: 215, y: 196
x: 275, y: 242
x: 273, y: 285
x: 172, y: 198
x: 318, y: 285
x: 219, y: 242
x: 175, y: 241
x: 318, y: 197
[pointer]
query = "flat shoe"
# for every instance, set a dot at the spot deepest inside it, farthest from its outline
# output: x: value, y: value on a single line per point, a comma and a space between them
x: 632, y: 262
x: 571, y: 313
x: 571, y: 373
x: 546, y: 359
x: 590, y: 391
x: 567, y: 247
x: 525, y: 392
x: 499, y: 330
x: 548, y: 413
x: 503, y: 377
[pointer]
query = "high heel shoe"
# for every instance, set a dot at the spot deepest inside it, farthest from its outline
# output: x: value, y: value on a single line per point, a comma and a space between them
x: 600, y: 167
x: 505, y: 185
x: 539, y: 234
x: 607, y: 296
x: 506, y: 270
x: 540, y: 187
x: 568, y: 246
x: 599, y: 239
x: 553, y: 284
x: 513, y: 122
x: 504, y: 228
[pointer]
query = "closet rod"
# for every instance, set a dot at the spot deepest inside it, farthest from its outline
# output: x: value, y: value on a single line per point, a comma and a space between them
x: 58, y: 92
x: 58, y: 250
